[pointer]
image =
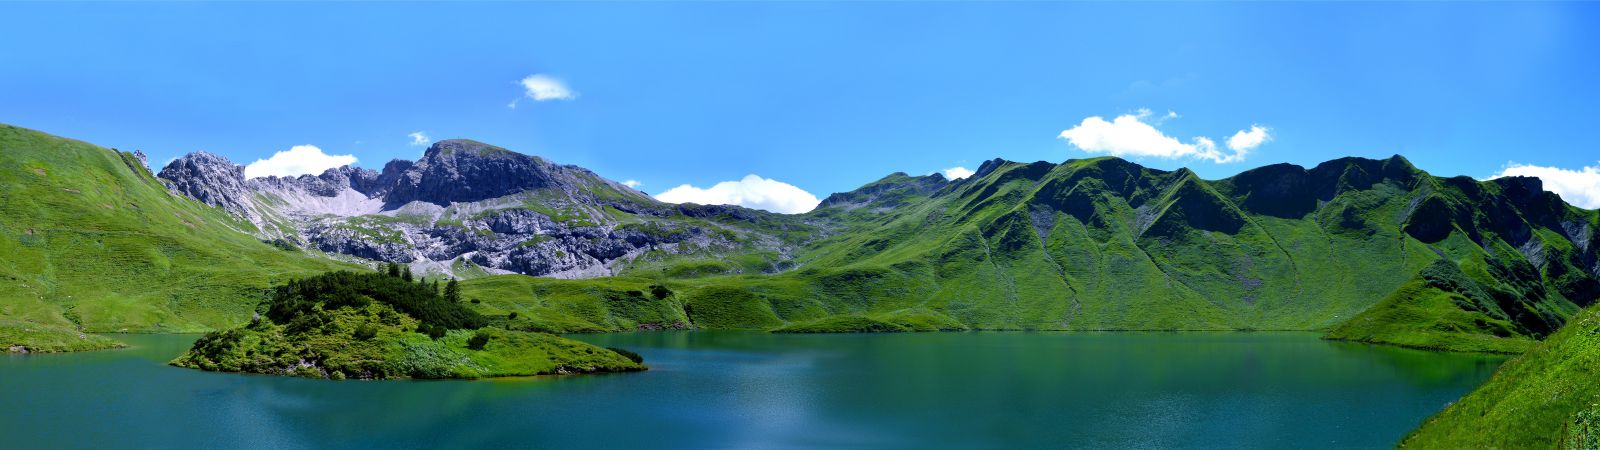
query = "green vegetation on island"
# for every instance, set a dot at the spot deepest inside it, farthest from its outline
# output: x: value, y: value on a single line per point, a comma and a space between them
x: 1540, y: 399
x: 382, y: 325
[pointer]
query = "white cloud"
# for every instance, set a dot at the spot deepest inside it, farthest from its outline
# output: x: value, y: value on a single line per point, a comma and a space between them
x: 419, y: 138
x: 1128, y: 135
x: 298, y: 160
x: 1578, y: 187
x: 1247, y: 140
x: 541, y: 87
x: 632, y: 183
x: 751, y: 192
x: 957, y: 172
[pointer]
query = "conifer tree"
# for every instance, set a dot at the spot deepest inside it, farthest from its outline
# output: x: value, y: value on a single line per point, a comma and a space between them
x: 452, y: 291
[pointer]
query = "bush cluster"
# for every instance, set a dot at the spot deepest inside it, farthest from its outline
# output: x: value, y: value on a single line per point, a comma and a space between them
x: 352, y: 289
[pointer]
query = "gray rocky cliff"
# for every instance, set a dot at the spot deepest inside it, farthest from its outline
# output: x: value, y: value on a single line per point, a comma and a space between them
x: 466, y: 203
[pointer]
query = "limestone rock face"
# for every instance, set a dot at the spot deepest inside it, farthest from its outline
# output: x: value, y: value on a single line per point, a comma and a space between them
x: 468, y: 203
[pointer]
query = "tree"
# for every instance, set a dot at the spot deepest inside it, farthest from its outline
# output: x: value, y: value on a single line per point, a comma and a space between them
x: 406, y: 275
x: 393, y: 269
x: 452, y: 291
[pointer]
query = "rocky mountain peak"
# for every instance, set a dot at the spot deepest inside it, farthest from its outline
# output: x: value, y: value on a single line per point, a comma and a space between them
x: 209, y: 178
x: 461, y: 170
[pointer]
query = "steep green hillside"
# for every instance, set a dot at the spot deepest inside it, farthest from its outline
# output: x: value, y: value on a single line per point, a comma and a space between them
x: 1105, y: 244
x: 91, y: 241
x: 1534, y: 401
x: 1442, y: 309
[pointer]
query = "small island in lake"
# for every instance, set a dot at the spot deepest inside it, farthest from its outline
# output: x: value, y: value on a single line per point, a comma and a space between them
x: 385, y: 325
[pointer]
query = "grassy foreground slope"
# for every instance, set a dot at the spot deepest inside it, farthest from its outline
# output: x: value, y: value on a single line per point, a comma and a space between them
x: 372, y: 326
x: 1533, y: 401
x: 90, y: 241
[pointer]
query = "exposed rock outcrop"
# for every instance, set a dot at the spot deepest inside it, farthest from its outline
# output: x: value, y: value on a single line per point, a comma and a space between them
x: 466, y: 201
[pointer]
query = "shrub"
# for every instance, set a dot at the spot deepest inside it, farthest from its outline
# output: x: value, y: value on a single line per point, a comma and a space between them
x: 660, y: 292
x: 433, y: 331
x: 478, y: 340
x: 512, y: 316
x: 627, y: 354
x: 366, y: 332
x: 351, y: 289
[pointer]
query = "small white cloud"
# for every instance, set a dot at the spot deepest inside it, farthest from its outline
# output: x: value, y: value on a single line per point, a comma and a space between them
x: 1578, y: 187
x: 1247, y: 140
x: 419, y: 138
x: 751, y: 192
x: 297, y: 160
x: 957, y: 172
x: 541, y: 87
x: 1128, y: 135
x: 632, y: 183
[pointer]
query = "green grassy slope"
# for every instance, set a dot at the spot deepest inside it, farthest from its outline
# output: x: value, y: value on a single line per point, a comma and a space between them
x: 1105, y: 244
x: 19, y: 337
x: 1533, y: 401
x: 1424, y: 315
x: 91, y: 241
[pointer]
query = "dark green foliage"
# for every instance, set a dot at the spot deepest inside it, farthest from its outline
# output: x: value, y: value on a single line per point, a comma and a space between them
x: 281, y: 244
x: 392, y: 269
x: 660, y: 292
x: 476, y: 301
x: 478, y: 340
x: 406, y: 275
x: 512, y: 316
x: 627, y: 354
x: 366, y: 332
x: 452, y: 291
x: 301, y: 298
x: 432, y: 331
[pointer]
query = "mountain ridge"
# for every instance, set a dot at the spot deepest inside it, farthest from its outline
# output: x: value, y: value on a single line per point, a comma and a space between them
x: 1085, y: 244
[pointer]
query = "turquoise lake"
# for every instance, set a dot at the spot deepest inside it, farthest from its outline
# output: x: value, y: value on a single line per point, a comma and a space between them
x: 758, y: 390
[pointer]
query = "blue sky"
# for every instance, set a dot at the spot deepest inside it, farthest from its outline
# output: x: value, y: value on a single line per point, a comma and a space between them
x: 824, y: 96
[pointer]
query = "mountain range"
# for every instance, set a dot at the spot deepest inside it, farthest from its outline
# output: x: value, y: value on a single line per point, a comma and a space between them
x: 1372, y: 250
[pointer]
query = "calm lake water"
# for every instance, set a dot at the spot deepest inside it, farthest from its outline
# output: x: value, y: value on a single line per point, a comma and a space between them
x: 751, y: 390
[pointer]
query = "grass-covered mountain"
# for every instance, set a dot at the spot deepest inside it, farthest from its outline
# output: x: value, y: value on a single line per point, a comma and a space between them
x: 370, y: 325
x: 1105, y: 244
x: 91, y: 241
x: 1375, y: 250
